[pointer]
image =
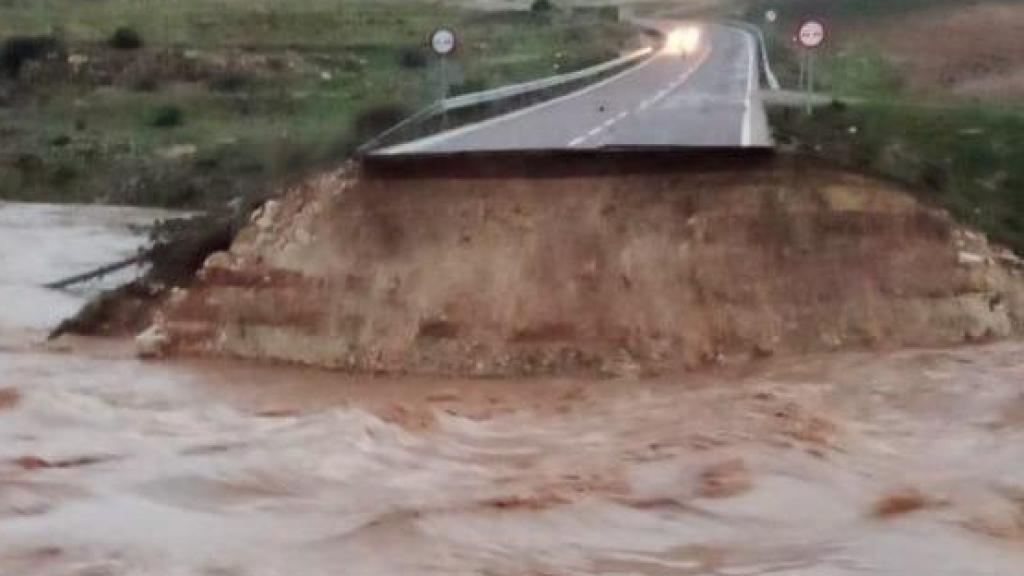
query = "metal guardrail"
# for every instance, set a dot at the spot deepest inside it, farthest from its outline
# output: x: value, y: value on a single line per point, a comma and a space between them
x: 513, y: 90
x: 421, y: 115
x: 769, y: 75
x: 504, y: 93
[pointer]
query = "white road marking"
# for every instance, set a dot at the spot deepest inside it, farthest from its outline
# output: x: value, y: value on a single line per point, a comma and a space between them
x: 677, y: 83
x: 430, y: 141
x: 604, y: 126
x: 748, y: 103
x: 661, y: 94
x: 748, y: 128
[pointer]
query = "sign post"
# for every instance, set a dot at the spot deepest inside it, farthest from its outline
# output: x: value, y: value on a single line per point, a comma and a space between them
x: 443, y: 42
x: 811, y: 35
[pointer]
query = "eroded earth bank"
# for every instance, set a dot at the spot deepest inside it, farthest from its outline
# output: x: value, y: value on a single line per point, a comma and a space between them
x: 660, y: 438
x: 641, y: 265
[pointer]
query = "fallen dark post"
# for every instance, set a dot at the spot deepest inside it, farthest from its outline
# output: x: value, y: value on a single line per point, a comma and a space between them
x: 179, y: 248
x: 99, y: 272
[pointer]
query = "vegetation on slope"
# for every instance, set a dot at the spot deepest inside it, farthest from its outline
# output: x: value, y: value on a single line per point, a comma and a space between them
x: 961, y: 152
x: 195, y: 102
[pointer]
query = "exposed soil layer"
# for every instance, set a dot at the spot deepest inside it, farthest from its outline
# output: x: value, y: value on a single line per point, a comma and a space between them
x: 609, y: 267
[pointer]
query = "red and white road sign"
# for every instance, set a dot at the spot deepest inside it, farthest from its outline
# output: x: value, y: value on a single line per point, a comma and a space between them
x: 811, y: 34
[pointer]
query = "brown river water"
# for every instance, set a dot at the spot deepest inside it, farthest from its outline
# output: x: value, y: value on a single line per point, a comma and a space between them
x: 858, y: 463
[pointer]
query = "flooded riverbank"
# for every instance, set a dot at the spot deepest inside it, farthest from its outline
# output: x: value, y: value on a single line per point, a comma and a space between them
x: 41, y: 243
x: 857, y: 463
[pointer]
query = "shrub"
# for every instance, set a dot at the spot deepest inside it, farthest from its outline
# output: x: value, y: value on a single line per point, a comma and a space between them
x: 229, y: 81
x: 168, y: 116
x: 17, y: 51
x: 125, y: 38
x: 473, y: 84
x: 376, y: 119
x: 412, y: 58
x: 63, y: 175
x: 28, y: 163
x: 608, y: 13
x: 146, y: 82
x: 540, y: 6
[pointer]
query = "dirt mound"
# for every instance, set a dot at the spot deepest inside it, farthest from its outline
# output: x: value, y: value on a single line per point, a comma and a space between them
x: 571, y: 269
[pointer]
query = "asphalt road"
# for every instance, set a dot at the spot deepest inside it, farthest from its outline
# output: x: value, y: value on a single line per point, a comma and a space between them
x: 708, y: 98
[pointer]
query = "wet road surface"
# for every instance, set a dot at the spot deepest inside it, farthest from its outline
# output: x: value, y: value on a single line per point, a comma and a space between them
x: 707, y: 98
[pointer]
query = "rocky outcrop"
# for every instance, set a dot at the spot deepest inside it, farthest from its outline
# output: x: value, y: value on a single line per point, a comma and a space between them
x: 623, y: 273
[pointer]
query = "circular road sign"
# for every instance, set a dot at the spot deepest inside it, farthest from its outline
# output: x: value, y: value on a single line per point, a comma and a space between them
x: 442, y: 41
x: 771, y: 15
x: 811, y: 34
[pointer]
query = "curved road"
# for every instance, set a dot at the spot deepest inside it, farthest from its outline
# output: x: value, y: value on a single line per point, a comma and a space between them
x: 709, y: 98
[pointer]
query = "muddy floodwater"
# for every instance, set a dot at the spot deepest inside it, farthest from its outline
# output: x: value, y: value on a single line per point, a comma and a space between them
x: 893, y: 463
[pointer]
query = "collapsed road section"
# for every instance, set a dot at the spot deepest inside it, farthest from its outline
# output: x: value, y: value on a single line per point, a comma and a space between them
x: 547, y: 264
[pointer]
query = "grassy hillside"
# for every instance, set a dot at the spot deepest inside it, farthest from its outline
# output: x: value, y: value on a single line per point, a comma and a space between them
x: 192, y: 102
x: 904, y: 111
x: 791, y: 11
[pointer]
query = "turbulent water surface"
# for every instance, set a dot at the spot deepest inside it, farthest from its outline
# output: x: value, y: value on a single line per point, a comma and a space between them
x: 895, y: 463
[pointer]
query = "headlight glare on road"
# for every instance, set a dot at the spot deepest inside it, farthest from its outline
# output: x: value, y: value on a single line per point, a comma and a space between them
x: 683, y: 41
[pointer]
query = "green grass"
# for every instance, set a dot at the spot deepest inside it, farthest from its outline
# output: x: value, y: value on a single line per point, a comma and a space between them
x: 859, y: 72
x: 839, y: 12
x: 268, y: 89
x: 221, y: 23
x: 963, y: 156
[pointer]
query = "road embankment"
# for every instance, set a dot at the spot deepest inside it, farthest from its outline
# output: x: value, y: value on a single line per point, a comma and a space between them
x: 647, y: 264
